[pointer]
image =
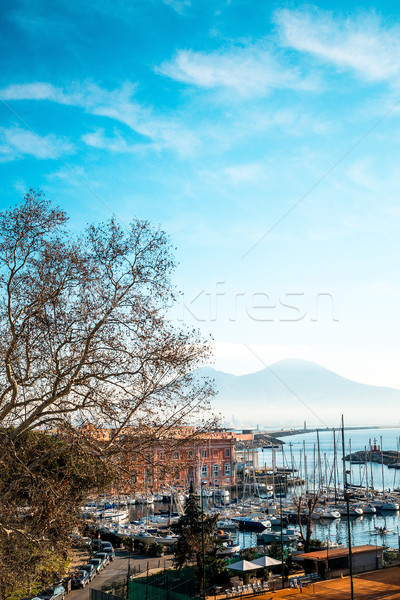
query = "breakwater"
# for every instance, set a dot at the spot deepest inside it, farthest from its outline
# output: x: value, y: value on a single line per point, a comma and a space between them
x: 387, y: 457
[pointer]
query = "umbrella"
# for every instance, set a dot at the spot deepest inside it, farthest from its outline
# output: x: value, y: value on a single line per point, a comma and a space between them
x: 244, y: 565
x: 266, y: 561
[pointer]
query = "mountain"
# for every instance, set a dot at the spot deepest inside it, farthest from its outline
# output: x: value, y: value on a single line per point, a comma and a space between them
x: 292, y: 391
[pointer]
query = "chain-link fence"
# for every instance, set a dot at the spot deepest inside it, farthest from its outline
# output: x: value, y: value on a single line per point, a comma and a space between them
x: 98, y: 595
x: 166, y: 585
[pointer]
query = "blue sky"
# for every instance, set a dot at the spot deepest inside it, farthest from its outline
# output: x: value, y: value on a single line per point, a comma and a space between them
x: 263, y: 136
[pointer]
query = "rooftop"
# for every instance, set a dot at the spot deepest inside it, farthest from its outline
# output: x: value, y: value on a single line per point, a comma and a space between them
x: 337, y: 552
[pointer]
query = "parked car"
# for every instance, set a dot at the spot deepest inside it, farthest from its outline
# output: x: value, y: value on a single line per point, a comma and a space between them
x: 108, y: 548
x: 53, y: 593
x: 79, y: 579
x: 91, y: 570
x: 104, y: 557
x: 98, y: 564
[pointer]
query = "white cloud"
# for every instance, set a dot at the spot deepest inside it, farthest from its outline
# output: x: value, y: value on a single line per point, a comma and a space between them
x: 178, y: 5
x: 16, y: 143
x: 361, y: 43
x: 249, y: 71
x: 117, y: 105
x: 98, y: 139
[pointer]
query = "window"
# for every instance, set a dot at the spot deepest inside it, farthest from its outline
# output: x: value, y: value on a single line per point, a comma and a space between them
x: 227, y: 452
x: 204, y: 454
x: 216, y: 470
x: 176, y: 455
x: 227, y: 469
x: 204, y: 471
x: 190, y: 454
x: 215, y: 451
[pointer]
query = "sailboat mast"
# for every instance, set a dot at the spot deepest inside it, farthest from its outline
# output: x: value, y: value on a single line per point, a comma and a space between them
x: 319, y: 464
x: 350, y: 458
x: 334, y: 463
x: 383, y: 474
x: 314, y: 470
x: 273, y: 475
x: 344, y: 462
x: 370, y: 464
x: 366, y: 469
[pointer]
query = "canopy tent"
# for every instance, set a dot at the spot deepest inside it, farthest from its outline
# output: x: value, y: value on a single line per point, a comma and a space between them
x: 244, y: 565
x: 266, y: 561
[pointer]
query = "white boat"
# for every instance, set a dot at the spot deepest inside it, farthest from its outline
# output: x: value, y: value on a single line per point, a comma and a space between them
x: 115, y: 514
x: 268, y: 536
x: 366, y: 508
x: 227, y: 524
x: 166, y: 540
x: 327, y: 513
x: 252, y: 522
x: 228, y: 548
x: 354, y: 511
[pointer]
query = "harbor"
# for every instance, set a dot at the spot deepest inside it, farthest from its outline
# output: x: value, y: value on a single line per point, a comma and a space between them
x: 271, y: 486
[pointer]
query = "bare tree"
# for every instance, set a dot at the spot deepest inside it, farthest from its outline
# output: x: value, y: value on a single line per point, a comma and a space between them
x: 84, y: 329
x: 84, y: 340
x: 305, y: 506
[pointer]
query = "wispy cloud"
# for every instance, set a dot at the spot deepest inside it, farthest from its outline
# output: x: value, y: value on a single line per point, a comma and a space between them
x: 98, y: 139
x: 16, y: 142
x: 249, y: 71
x: 118, y: 105
x: 178, y: 5
x: 363, y: 43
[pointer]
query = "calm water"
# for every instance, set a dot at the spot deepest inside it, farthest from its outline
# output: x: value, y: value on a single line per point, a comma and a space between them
x: 356, y: 439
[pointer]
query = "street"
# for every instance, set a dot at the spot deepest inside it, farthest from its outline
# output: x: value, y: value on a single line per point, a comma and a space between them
x: 118, y: 570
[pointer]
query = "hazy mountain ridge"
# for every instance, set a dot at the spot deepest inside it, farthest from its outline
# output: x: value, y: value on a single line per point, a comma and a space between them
x: 291, y: 391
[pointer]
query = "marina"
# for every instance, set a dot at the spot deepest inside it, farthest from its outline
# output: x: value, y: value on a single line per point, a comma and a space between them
x: 251, y: 514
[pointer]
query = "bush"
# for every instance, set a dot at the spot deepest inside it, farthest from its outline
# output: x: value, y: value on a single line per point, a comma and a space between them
x: 155, y: 549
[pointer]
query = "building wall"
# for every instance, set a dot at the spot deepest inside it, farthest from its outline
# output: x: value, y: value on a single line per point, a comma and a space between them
x: 178, y: 459
x: 209, y: 459
x: 368, y: 561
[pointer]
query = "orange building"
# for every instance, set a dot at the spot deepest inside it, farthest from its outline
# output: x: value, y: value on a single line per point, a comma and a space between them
x: 208, y: 458
x: 176, y: 457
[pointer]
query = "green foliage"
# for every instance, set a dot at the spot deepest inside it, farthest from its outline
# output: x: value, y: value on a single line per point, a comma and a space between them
x: 216, y: 571
x: 43, y: 481
x: 248, y: 554
x: 316, y: 543
x: 275, y: 551
x: 190, y: 529
x: 155, y: 549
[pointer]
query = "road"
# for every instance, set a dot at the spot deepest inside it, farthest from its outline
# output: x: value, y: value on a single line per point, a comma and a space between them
x: 118, y: 570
